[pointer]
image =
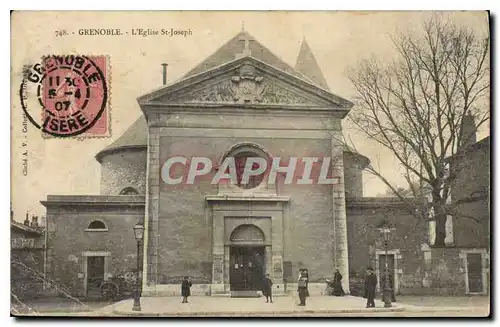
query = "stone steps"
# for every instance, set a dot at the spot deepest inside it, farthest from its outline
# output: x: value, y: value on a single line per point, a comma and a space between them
x: 245, y: 294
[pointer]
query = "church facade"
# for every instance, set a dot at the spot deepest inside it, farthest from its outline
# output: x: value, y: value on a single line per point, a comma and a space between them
x: 241, y: 102
x: 248, y: 105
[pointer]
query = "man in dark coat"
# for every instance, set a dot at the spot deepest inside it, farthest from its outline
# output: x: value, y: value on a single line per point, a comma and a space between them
x: 267, y: 289
x: 302, y: 288
x: 370, y: 286
x: 185, y: 289
x: 337, y: 284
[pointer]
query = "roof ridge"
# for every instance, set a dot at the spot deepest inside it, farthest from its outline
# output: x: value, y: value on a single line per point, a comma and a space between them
x: 26, y: 228
x: 227, y: 52
x: 190, y: 72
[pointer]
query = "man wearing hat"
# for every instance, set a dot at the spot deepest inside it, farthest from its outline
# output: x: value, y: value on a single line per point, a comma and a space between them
x: 370, y: 285
x: 302, y: 287
x: 267, y: 288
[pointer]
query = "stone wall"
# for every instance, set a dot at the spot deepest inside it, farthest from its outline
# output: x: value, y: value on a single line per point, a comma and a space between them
x: 26, y: 271
x: 27, y: 261
x: 68, y: 239
x: 185, y: 229
x: 353, y: 174
x: 179, y: 218
x: 364, y: 216
x: 446, y: 274
x: 471, y: 224
x: 421, y: 269
x: 123, y: 168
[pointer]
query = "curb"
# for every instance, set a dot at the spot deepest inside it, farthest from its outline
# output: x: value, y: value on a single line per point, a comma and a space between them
x: 252, y: 313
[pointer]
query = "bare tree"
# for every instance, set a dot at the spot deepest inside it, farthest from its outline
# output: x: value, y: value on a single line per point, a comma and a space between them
x: 414, y: 190
x: 417, y: 107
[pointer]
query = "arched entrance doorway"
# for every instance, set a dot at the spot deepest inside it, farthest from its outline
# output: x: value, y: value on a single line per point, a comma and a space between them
x: 247, y: 258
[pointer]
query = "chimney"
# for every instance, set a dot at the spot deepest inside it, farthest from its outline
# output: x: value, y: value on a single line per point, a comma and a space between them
x: 468, y: 132
x: 34, y: 221
x: 27, y: 220
x: 164, y: 73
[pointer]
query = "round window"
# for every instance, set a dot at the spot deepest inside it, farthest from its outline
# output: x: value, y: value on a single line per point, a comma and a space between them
x: 240, y: 161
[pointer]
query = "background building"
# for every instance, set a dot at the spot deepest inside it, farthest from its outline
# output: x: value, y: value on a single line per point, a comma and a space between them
x: 27, y: 257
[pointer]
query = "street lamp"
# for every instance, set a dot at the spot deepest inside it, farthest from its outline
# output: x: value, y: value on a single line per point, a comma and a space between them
x: 139, y: 235
x: 386, y: 230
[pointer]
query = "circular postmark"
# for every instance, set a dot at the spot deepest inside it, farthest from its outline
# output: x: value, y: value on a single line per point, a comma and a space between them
x: 68, y: 93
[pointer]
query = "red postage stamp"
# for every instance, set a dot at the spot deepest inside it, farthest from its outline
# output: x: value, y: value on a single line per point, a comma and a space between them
x: 73, y: 95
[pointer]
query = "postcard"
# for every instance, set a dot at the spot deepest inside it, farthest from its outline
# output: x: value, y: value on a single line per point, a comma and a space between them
x: 269, y: 164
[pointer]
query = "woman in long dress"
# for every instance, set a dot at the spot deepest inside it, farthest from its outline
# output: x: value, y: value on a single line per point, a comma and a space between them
x: 337, y: 284
x: 305, y: 272
x: 185, y: 289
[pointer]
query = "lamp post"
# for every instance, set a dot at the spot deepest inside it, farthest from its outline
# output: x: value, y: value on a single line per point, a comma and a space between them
x: 139, y: 235
x: 387, y: 287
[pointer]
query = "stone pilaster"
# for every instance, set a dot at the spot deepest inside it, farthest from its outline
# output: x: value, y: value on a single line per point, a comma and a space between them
x: 227, y: 254
x: 150, y: 257
x: 277, y: 253
x: 341, y: 259
x: 218, y: 255
x: 269, y: 260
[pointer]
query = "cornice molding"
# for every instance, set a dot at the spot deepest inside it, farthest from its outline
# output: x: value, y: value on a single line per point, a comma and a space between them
x: 247, y: 198
x: 246, y: 81
x: 95, y: 200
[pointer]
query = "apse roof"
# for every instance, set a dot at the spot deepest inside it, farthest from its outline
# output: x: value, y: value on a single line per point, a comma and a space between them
x: 135, y: 136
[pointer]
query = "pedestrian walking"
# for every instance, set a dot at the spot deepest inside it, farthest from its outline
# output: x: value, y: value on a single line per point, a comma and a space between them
x: 370, y: 285
x: 302, y: 287
x: 267, y: 288
x: 337, y: 284
x: 186, y: 289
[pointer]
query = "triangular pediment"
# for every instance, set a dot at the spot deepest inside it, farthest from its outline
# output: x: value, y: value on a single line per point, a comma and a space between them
x: 245, y: 81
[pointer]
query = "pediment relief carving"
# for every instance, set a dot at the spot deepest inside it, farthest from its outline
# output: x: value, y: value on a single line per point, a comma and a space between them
x: 244, y: 85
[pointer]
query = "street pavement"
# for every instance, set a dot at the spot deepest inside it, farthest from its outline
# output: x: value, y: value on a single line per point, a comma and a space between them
x: 287, y: 306
x: 283, y: 306
x: 445, y: 301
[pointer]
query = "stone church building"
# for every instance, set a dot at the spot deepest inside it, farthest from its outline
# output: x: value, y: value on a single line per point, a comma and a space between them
x: 242, y: 101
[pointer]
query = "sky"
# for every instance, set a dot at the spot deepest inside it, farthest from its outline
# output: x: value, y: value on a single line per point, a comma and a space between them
x: 339, y: 40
